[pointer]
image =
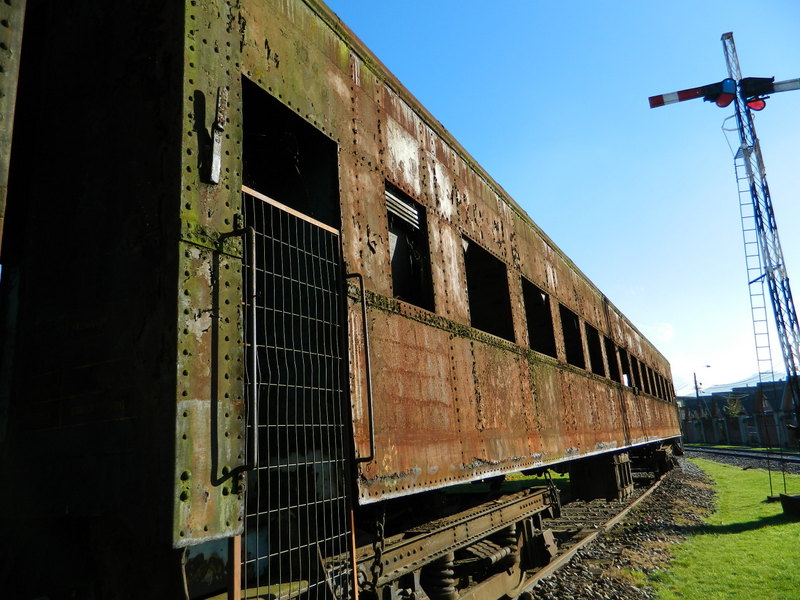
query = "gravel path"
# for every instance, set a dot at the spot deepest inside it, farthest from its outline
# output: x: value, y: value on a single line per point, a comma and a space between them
x: 744, y: 463
x: 641, y: 542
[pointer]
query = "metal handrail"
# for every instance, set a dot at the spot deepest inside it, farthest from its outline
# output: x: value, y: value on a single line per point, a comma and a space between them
x: 250, y: 232
x: 368, y: 365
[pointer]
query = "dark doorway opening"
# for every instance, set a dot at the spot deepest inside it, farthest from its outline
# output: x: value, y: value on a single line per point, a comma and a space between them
x: 288, y: 159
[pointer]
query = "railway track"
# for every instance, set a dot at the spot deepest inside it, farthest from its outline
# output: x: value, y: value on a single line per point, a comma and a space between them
x: 560, y: 537
x: 581, y: 522
x: 755, y: 454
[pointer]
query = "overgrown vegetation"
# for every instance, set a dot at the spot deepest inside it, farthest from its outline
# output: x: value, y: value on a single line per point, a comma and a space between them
x: 747, y: 550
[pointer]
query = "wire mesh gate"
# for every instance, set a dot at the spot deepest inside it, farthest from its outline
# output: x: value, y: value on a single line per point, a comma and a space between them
x: 296, y: 541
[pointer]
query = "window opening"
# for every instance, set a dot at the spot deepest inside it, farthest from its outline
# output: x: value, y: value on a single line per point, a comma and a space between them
x: 408, y: 249
x: 651, y: 387
x: 287, y: 159
x: 611, y: 357
x: 595, y: 350
x: 541, y: 336
x: 487, y: 290
x: 627, y: 378
x: 636, y: 379
x: 573, y: 341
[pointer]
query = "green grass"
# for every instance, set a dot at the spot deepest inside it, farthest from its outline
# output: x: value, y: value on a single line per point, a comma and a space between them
x: 514, y: 482
x: 747, y: 550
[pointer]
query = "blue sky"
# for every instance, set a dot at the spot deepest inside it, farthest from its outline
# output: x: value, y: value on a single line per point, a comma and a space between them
x: 551, y: 98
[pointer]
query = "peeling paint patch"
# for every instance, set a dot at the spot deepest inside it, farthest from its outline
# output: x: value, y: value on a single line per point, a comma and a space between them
x: 390, y: 481
x: 444, y: 187
x: 199, y: 325
x: 338, y: 85
x: 403, y: 155
x: 605, y: 445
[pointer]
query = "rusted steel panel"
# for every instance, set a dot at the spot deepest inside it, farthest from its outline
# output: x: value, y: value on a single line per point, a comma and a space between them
x: 416, y: 422
x: 518, y: 309
x: 365, y: 137
x: 547, y: 435
x: 296, y: 57
x: 12, y: 16
x: 507, y: 412
x: 451, y: 403
x: 359, y: 378
x: 503, y: 397
x: 209, y: 431
x: 365, y: 235
x: 209, y: 425
x: 449, y: 279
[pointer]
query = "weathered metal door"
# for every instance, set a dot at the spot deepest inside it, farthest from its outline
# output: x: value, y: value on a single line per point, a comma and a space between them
x: 296, y: 540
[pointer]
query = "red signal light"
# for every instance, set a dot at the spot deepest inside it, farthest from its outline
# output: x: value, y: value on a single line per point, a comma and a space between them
x: 756, y: 104
x: 721, y: 93
x: 724, y: 100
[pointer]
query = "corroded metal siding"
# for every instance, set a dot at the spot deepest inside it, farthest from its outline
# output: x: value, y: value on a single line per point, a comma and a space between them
x: 12, y: 17
x: 209, y: 431
x: 453, y: 404
x: 450, y: 403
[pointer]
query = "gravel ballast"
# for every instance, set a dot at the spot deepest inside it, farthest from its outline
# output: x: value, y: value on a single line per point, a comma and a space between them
x: 605, y: 568
x: 747, y: 462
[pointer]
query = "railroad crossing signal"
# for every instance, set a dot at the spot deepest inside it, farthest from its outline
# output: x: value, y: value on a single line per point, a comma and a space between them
x: 722, y: 93
x: 752, y: 90
x: 764, y: 257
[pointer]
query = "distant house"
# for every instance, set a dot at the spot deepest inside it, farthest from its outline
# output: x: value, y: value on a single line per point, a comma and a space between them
x: 753, y: 415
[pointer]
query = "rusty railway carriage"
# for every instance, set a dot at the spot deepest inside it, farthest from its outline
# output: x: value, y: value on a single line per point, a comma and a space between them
x: 265, y: 322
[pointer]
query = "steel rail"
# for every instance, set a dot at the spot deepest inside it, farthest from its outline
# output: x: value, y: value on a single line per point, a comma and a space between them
x: 563, y: 558
x: 789, y: 458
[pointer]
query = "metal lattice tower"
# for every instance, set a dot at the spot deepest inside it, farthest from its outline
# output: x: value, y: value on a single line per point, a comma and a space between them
x: 763, y: 254
x: 755, y: 270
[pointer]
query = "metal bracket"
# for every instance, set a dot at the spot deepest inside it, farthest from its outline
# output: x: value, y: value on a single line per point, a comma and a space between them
x: 216, y: 134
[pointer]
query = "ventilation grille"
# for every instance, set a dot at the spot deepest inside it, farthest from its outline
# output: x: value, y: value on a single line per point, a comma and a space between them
x: 402, y: 209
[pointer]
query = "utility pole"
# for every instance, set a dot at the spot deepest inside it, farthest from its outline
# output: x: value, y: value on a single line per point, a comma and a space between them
x: 763, y: 254
x: 708, y: 414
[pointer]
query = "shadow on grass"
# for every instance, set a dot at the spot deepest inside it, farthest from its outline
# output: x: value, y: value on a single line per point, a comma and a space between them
x: 760, y: 523
x: 648, y: 526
